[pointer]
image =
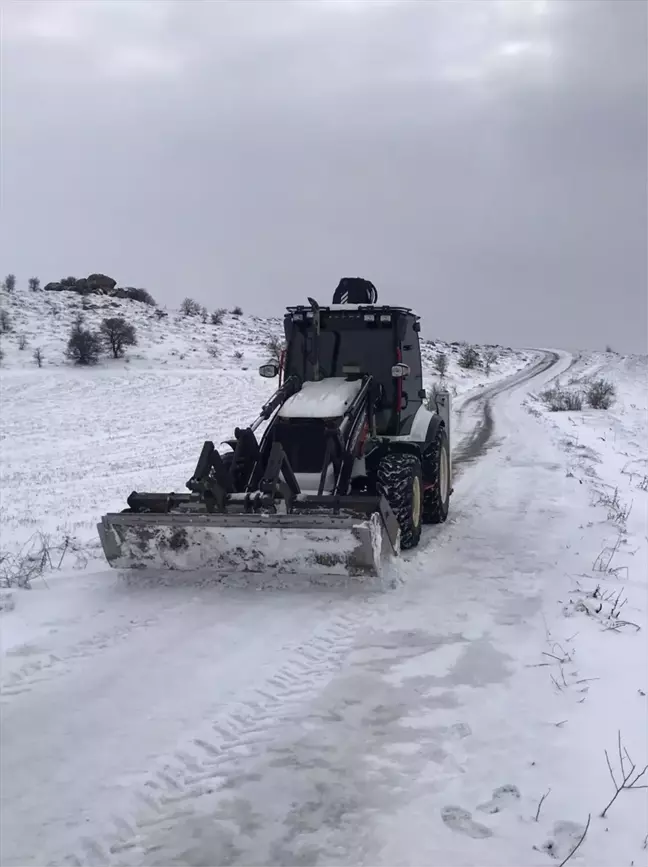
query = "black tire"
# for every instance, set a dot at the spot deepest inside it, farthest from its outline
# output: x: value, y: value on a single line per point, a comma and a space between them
x: 398, y: 479
x: 436, y: 498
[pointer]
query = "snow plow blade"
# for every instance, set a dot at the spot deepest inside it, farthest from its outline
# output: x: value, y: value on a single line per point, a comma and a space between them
x: 349, y: 542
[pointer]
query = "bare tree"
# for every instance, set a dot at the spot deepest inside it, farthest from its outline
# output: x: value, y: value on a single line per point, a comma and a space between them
x: 10, y: 282
x: 275, y: 346
x: 5, y: 322
x: 117, y: 334
x: 218, y: 316
x: 34, y: 284
x: 237, y: 311
x: 38, y: 356
x: 84, y: 346
x: 490, y: 358
x: 435, y: 390
x: 22, y: 342
x: 441, y: 364
x: 189, y: 307
x: 469, y: 358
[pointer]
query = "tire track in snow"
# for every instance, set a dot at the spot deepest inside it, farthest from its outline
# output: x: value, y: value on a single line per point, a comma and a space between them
x: 473, y: 446
x: 59, y: 664
x: 477, y: 442
x: 203, y: 765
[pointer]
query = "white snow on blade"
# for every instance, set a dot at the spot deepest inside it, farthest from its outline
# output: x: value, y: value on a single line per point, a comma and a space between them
x: 458, y: 714
x: 328, y: 398
x: 334, y: 551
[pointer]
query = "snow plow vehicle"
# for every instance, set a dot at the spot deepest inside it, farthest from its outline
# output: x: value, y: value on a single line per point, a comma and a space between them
x: 352, y: 462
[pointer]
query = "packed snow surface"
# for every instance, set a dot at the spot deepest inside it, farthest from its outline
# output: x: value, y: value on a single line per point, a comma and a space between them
x: 457, y: 713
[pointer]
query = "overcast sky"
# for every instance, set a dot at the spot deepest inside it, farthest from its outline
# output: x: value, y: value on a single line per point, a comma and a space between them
x: 483, y: 161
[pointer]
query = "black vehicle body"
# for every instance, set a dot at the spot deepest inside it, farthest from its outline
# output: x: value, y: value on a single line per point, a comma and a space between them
x: 347, y: 432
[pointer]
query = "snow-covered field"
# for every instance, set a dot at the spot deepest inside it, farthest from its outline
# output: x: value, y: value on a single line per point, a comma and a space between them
x: 457, y: 716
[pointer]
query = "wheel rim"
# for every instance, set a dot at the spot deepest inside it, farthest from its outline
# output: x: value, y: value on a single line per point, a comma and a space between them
x: 416, y: 502
x: 443, y: 475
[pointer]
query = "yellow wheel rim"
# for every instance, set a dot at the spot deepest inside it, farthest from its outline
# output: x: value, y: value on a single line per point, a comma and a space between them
x: 416, y: 502
x: 444, y: 475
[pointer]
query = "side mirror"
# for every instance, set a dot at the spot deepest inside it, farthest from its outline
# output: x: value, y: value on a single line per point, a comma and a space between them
x: 269, y: 370
x: 400, y: 371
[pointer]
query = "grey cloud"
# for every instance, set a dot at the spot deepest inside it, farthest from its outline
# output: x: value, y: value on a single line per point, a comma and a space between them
x: 500, y: 190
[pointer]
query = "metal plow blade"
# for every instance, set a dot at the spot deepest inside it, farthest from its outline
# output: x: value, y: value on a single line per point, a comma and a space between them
x: 324, y: 545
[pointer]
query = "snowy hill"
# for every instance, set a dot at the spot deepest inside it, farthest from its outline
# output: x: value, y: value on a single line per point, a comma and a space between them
x: 168, y: 339
x: 165, y: 338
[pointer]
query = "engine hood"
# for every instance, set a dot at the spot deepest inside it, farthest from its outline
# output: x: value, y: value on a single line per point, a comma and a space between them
x: 327, y: 398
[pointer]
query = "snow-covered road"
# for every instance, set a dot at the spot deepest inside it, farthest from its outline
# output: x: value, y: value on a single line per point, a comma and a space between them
x: 408, y: 725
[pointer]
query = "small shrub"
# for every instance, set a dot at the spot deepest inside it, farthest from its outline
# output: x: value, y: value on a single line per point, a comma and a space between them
x: 573, y: 401
x: 238, y: 354
x: 218, y: 316
x: 84, y: 345
x: 237, y: 311
x: 558, y: 399
x: 5, y: 322
x: 441, y: 363
x: 161, y: 314
x: 69, y: 282
x: 10, y: 282
x: 142, y: 295
x: 117, y: 334
x: 189, y: 307
x: 609, y: 349
x: 1, y: 355
x: 40, y: 554
x: 213, y: 351
x: 22, y: 342
x: 34, y: 284
x: 469, y: 358
x: 274, y: 347
x: 600, y: 394
x: 38, y: 356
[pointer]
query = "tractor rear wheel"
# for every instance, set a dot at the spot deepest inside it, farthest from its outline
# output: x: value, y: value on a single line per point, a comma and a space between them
x: 436, y: 499
x: 400, y: 481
